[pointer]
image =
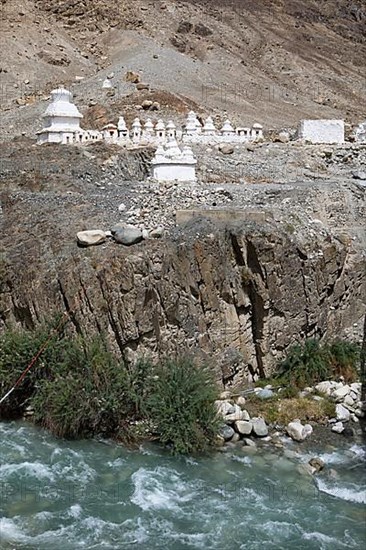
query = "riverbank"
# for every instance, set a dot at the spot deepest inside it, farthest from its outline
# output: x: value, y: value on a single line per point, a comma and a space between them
x: 328, y: 413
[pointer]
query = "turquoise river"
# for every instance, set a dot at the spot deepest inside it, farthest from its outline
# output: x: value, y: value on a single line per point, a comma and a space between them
x: 62, y: 495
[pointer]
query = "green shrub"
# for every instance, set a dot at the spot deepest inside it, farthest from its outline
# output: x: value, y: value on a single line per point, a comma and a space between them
x: 87, y: 394
x: 79, y: 389
x: 181, y: 406
x: 312, y: 362
x: 345, y: 358
x: 17, y: 349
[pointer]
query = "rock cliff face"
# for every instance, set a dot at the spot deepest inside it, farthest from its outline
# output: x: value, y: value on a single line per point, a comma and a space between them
x: 242, y: 271
x: 235, y: 296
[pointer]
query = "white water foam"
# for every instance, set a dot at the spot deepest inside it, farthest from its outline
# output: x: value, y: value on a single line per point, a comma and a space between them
x: 241, y: 459
x: 9, y: 531
x: 359, y: 451
x: 160, y: 489
x: 36, y: 469
x: 326, y: 542
x: 350, y: 494
x: 75, y: 511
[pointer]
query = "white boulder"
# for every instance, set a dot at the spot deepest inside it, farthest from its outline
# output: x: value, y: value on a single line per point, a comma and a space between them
x: 91, y: 237
x: 342, y: 413
x: 297, y: 431
x: 324, y: 387
x: 338, y: 428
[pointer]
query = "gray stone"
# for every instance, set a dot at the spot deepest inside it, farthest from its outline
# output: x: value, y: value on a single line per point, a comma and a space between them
x: 283, y: 137
x: 324, y: 387
x: 226, y: 148
x: 259, y: 427
x: 127, y: 235
x: 240, y: 401
x: 225, y: 408
x: 226, y: 432
x: 142, y: 86
x: 91, y: 237
x: 360, y: 175
x: 306, y: 469
x: 264, y: 394
x: 147, y: 104
x: 249, y: 442
x: 225, y: 395
x: 348, y: 400
x: 157, y: 233
x: 243, y: 427
x: 317, y: 463
x: 229, y: 418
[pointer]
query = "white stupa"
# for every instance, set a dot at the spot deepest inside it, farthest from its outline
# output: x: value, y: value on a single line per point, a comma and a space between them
x: 136, y: 130
x: 123, y: 132
x: 192, y: 126
x: 227, y: 129
x: 62, y: 119
x: 172, y: 164
x: 209, y: 127
x: 148, y: 132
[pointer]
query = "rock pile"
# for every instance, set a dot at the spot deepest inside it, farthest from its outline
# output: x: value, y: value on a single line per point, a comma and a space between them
x: 237, y: 423
x: 348, y: 398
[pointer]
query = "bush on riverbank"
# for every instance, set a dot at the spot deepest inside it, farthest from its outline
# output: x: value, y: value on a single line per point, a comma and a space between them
x: 313, y: 362
x: 79, y: 389
x: 181, y: 406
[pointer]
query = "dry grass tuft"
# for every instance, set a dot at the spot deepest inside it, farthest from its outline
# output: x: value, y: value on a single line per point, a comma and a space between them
x: 283, y: 411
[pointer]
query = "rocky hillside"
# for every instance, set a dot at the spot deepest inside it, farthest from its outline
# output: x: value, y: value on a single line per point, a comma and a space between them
x: 272, y: 61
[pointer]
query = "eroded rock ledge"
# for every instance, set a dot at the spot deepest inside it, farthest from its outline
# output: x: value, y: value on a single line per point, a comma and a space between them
x: 235, y: 295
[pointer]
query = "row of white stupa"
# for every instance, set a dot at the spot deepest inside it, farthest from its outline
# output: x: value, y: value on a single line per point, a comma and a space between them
x: 62, y: 125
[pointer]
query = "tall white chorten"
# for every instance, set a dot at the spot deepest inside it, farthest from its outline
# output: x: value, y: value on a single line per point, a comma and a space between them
x: 62, y: 119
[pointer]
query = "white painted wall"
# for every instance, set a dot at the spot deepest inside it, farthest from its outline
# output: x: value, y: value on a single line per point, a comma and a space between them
x: 322, y: 131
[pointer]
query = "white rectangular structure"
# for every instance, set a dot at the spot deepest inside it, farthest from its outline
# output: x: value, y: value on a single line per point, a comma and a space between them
x: 174, y: 171
x: 321, y: 131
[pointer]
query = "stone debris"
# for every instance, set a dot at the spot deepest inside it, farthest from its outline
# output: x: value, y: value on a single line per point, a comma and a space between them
x: 239, y: 419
